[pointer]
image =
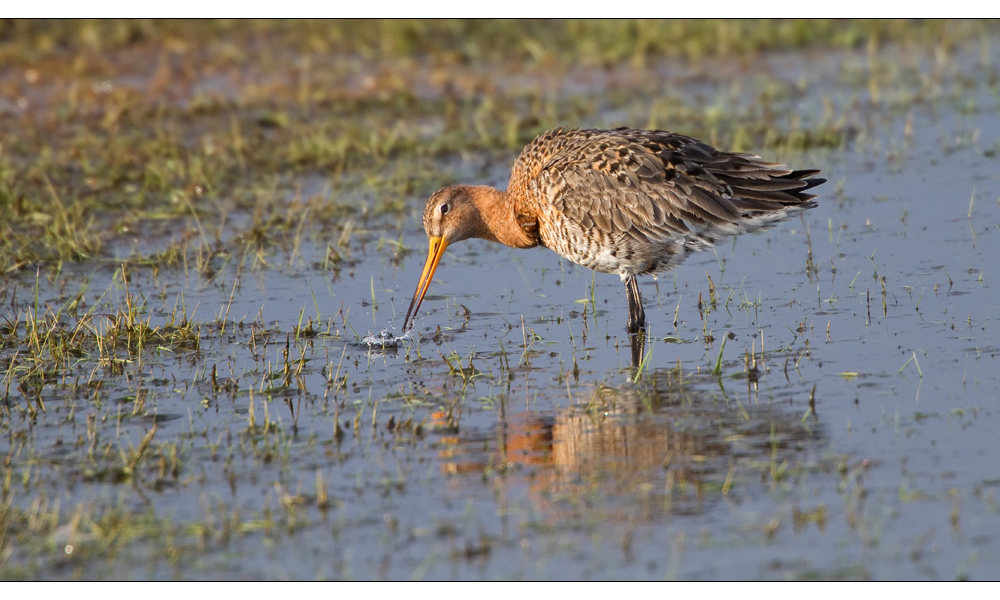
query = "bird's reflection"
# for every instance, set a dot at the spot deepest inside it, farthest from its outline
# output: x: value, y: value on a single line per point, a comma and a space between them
x: 673, y: 441
x: 638, y: 342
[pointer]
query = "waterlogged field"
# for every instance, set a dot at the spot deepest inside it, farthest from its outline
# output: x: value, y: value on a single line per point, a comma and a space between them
x: 193, y: 256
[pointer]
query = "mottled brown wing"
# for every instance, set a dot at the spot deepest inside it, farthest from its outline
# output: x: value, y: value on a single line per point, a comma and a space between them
x: 662, y: 186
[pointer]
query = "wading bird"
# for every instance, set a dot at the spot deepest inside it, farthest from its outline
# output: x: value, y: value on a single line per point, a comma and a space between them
x: 625, y: 201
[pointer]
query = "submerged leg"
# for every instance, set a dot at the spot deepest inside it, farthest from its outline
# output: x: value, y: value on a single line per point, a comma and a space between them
x: 637, y: 341
x: 636, y: 315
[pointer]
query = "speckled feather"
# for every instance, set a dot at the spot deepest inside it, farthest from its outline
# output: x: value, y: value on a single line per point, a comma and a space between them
x: 632, y: 201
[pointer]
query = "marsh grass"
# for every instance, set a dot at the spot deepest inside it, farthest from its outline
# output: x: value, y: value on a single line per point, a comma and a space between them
x: 593, y: 42
x: 149, y: 156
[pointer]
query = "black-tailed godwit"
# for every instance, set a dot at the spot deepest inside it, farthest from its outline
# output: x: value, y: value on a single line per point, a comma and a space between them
x: 626, y: 201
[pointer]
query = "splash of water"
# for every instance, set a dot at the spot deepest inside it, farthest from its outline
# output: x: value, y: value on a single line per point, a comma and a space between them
x: 384, y: 339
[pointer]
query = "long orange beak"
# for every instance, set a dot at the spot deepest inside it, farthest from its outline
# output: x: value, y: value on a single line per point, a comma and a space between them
x: 434, y: 254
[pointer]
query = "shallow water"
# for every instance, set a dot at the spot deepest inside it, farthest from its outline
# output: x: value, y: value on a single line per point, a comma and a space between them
x: 830, y: 415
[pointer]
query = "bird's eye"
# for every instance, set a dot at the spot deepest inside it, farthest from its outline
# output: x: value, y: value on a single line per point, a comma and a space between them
x: 445, y: 208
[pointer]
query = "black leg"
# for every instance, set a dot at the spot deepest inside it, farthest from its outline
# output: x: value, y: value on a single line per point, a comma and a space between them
x: 637, y: 341
x: 636, y: 315
x: 636, y: 320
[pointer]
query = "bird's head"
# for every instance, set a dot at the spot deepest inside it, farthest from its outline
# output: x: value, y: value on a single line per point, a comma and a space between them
x: 451, y: 215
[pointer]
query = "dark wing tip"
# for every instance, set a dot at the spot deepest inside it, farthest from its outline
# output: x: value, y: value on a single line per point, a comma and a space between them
x: 801, y: 175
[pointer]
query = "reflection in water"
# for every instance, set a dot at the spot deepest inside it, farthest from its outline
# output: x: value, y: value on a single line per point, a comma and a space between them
x: 676, y: 445
x: 638, y: 342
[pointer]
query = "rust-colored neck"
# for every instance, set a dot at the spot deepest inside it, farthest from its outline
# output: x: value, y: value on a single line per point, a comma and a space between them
x: 503, y: 217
